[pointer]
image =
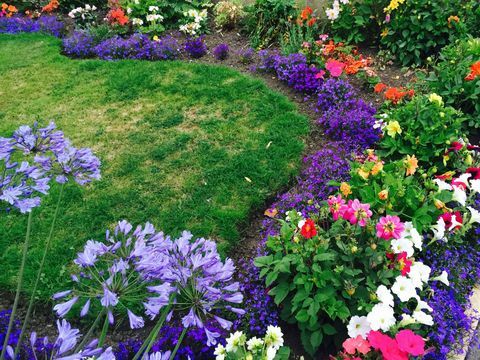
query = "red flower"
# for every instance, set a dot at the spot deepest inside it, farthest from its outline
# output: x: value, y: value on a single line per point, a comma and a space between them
x: 308, y: 229
x: 117, y: 16
x: 473, y: 147
x: 311, y: 22
x: 410, y: 342
x: 475, y: 173
x: 403, y: 263
x: 474, y: 71
x: 448, y: 217
x: 306, y: 12
x: 456, y: 146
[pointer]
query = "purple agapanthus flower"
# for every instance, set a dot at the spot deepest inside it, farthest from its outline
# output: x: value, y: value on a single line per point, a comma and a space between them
x: 196, y: 276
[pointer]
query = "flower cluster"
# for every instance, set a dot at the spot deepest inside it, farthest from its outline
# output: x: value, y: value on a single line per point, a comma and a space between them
x: 83, y: 16
x: 239, y: 347
x: 147, y: 18
x: 221, y: 51
x: 393, y: 94
x: 7, y: 10
x: 51, y: 6
x: 117, y: 17
x: 196, y: 47
x: 45, y: 23
x: 195, y: 21
x: 334, y: 12
x: 474, y: 71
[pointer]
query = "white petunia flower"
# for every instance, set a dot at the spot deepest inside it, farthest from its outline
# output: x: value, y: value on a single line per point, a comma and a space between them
x: 475, y: 185
x: 406, y: 320
x: 474, y: 215
x: 442, y: 185
x: 455, y: 223
x: 384, y: 295
x: 402, y: 245
x: 439, y: 229
x: 419, y: 274
x: 271, y: 352
x: 358, y: 325
x: 443, y: 277
x: 423, y: 318
x: 459, y: 195
x: 381, y: 317
x: 404, y: 288
x: 414, y: 235
x: 274, y: 337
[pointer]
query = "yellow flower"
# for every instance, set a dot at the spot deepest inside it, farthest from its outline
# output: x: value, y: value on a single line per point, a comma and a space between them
x: 383, y: 195
x: 435, y: 98
x: 411, y: 164
x: 345, y: 189
x: 363, y: 174
x: 155, y: 38
x: 440, y: 205
x: 384, y: 33
x: 377, y: 168
x: 393, y: 128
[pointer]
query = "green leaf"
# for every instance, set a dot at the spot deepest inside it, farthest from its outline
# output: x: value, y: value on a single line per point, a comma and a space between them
x: 271, y: 277
x: 316, y: 339
x: 329, y: 329
x: 302, y: 316
x: 280, y: 291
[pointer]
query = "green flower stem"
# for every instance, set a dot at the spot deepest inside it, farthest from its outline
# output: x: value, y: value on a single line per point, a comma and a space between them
x: 103, y: 335
x: 150, y: 340
x: 19, y: 285
x: 179, y: 341
x: 90, y: 331
x: 40, y: 269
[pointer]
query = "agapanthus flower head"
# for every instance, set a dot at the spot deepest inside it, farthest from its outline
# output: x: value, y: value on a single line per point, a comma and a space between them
x: 110, y: 274
x: 64, y: 347
x: 197, y: 280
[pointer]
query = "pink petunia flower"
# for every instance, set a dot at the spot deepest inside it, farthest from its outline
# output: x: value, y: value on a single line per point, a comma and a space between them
x: 410, y: 342
x: 356, y: 344
x: 390, y: 227
x: 335, y: 67
x: 360, y: 213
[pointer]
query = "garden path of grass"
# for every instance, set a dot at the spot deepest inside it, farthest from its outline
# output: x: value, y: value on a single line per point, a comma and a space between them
x: 176, y: 140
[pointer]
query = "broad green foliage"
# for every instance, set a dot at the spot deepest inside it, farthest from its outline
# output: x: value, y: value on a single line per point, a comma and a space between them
x: 268, y: 21
x: 427, y: 127
x: 449, y: 78
x: 420, y: 28
x: 177, y: 142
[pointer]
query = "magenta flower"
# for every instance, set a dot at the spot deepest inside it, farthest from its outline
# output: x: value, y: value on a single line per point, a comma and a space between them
x: 390, y: 227
x: 357, y: 213
x: 335, y: 67
x: 336, y: 203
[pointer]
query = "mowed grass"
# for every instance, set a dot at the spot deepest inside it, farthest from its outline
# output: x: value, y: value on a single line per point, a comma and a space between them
x: 176, y: 140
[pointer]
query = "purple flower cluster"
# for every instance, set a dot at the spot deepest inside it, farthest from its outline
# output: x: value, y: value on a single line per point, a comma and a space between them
x: 194, y: 345
x: 14, y: 335
x: 260, y: 308
x: 345, y: 117
x: 32, y: 157
x: 221, y: 52
x: 196, y: 47
x: 45, y: 23
x: 292, y: 69
x: 246, y: 55
x: 79, y: 45
x: 450, y: 304
x: 187, y: 276
x: 137, y: 46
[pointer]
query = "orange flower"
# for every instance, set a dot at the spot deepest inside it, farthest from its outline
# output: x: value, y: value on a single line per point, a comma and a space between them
x: 363, y: 174
x: 345, y: 189
x: 453, y: 18
x: 474, y: 71
x: 4, y: 6
x: 411, y: 164
x: 377, y: 168
x: 51, y: 6
x: 311, y: 22
x: 395, y: 94
x: 306, y: 12
x: 380, y: 87
x: 117, y: 17
x: 383, y: 195
x: 271, y: 212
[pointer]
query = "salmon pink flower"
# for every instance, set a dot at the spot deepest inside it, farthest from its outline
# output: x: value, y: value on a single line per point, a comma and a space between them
x: 356, y: 344
x: 390, y: 227
x: 308, y: 229
x: 410, y: 342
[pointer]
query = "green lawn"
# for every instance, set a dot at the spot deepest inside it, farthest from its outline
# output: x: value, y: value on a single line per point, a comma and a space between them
x: 176, y: 140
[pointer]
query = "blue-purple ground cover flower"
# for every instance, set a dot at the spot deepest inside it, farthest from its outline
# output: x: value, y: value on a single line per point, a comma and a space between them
x: 221, y: 52
x: 45, y: 23
x: 196, y: 47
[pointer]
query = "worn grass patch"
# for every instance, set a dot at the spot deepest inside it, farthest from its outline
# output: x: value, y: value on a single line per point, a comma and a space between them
x: 176, y: 142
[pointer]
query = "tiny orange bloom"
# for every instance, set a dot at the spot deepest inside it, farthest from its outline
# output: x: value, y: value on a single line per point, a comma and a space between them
x: 383, y: 195
x: 411, y: 164
x: 345, y: 189
x: 380, y: 87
